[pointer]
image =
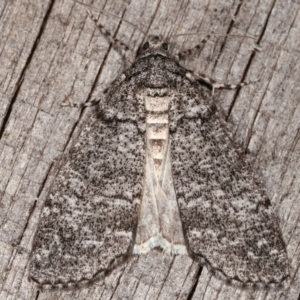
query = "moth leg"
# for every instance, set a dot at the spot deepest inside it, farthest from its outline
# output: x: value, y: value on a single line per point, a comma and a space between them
x: 70, y: 103
x: 216, y: 85
x: 191, y: 52
x: 118, y: 45
x: 89, y: 103
x: 201, y: 77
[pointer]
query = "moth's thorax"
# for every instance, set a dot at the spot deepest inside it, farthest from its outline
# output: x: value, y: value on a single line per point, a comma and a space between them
x: 156, y: 71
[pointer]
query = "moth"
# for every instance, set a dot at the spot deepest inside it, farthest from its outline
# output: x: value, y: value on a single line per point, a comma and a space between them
x: 155, y: 166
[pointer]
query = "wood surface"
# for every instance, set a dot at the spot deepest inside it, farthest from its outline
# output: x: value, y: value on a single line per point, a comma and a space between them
x: 51, y: 52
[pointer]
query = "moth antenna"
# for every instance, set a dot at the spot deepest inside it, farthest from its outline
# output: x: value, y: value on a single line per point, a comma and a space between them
x: 110, y: 14
x: 214, y: 33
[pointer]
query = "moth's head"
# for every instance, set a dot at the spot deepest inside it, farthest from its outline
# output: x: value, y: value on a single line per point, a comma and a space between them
x: 154, y: 44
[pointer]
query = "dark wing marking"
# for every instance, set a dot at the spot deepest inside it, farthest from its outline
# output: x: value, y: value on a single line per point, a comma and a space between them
x: 227, y: 217
x: 90, y: 215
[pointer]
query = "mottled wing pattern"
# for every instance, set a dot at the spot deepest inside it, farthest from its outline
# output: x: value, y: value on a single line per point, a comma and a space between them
x: 90, y: 216
x: 227, y: 217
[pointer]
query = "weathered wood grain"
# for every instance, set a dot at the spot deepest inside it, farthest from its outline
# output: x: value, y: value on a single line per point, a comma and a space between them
x: 50, y: 52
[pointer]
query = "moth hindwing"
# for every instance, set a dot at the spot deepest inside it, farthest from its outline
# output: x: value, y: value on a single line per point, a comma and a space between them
x: 155, y: 166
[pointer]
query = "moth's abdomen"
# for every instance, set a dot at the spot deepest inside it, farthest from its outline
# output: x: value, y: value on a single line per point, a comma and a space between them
x: 157, y: 104
x: 159, y: 222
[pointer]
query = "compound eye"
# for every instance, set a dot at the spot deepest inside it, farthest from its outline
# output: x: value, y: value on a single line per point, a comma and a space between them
x: 165, y: 46
x: 146, y: 46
